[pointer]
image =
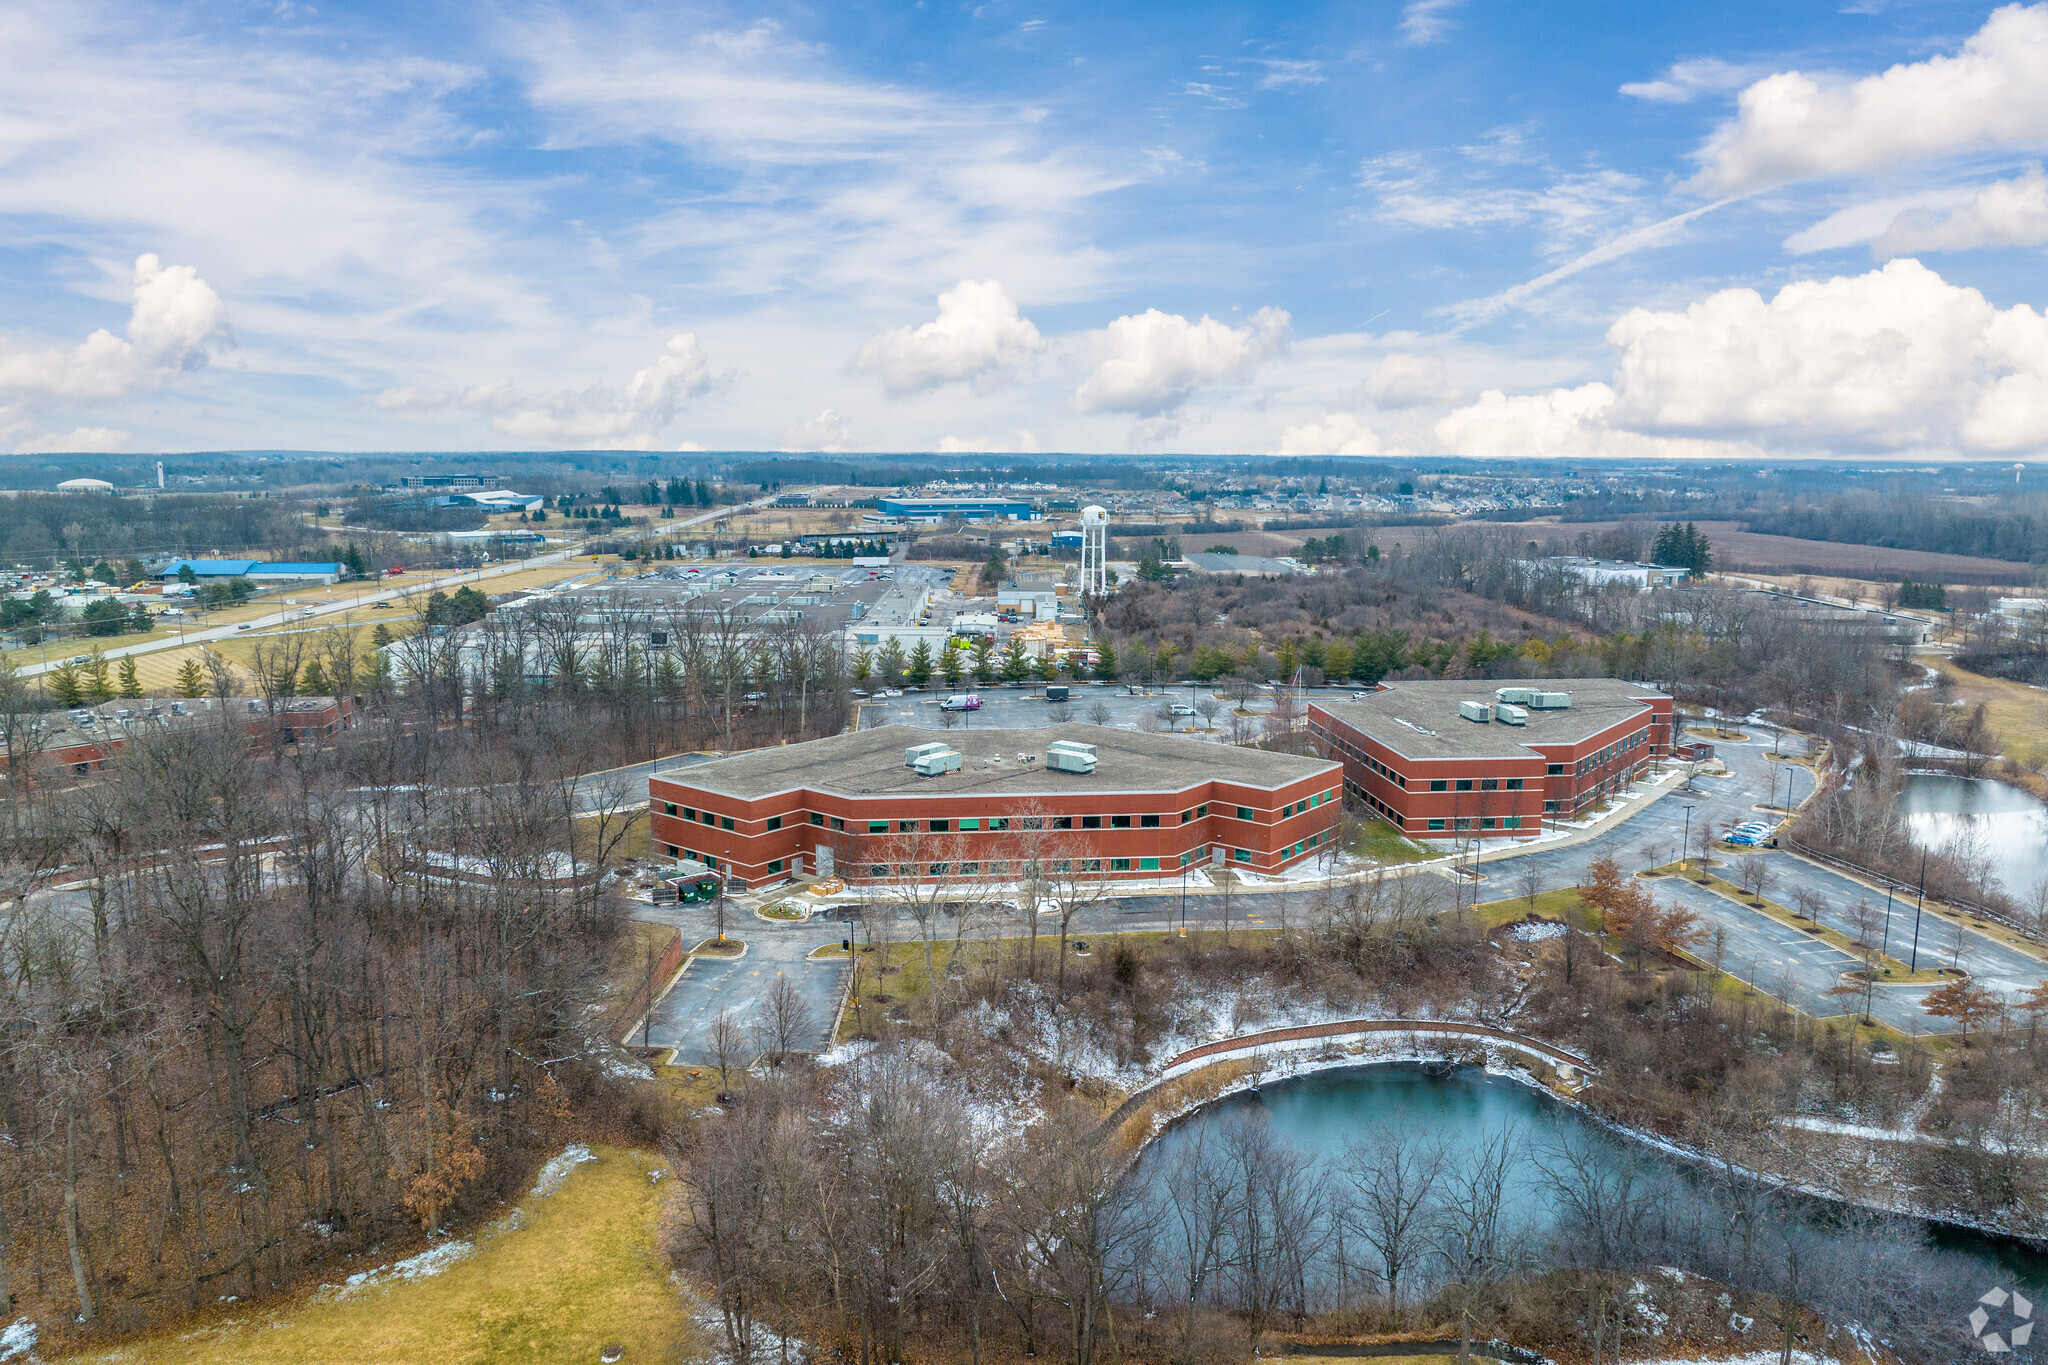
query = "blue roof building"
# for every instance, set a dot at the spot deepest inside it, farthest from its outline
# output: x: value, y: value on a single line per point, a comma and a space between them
x: 208, y: 568
x: 968, y: 509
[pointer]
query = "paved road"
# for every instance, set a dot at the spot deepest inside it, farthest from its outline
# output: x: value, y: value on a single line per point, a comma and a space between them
x: 683, y: 1017
x: 466, y: 579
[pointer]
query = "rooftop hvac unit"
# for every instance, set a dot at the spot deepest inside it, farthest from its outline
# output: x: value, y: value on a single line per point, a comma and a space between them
x: 1508, y: 714
x: 1519, y: 696
x: 942, y: 760
x: 1476, y: 710
x: 1549, y: 701
x: 917, y: 751
x: 1068, y: 756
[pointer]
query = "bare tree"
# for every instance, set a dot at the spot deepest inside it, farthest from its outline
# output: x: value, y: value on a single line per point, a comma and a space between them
x: 727, y: 1040
x: 785, y: 1020
x: 1393, y: 1178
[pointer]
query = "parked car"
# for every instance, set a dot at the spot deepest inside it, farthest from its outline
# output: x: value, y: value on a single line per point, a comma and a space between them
x: 961, y: 701
x: 1181, y: 708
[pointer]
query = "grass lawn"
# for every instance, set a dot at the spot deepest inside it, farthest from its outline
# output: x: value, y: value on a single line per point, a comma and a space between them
x: 1381, y: 842
x: 1560, y: 904
x: 2018, y: 714
x: 581, y: 1271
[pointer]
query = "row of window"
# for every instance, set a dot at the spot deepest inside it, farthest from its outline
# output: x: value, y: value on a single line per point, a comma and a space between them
x: 1482, y: 822
x: 974, y: 823
x: 998, y: 867
x: 1486, y: 784
x: 1613, y: 751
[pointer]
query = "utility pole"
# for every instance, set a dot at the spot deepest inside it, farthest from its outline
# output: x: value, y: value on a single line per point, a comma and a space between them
x: 1914, y: 966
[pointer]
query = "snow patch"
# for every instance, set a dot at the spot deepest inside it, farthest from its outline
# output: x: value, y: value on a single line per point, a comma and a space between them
x: 558, y: 1167
x: 428, y: 1263
x: 1535, y: 931
x: 18, y: 1339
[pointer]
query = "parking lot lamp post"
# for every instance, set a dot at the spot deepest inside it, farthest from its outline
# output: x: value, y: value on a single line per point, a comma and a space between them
x: 1919, y: 905
x: 1685, y: 843
x: 1885, y: 943
x: 1183, y: 900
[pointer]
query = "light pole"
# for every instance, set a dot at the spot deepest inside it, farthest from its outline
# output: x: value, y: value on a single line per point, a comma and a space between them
x: 1183, y: 900
x: 1685, y: 843
x: 1914, y: 965
x: 1884, y: 944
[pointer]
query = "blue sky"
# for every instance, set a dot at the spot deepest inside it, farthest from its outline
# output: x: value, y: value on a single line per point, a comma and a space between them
x: 1470, y: 228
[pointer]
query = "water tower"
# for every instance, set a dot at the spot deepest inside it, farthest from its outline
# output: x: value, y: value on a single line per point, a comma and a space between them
x: 1094, y: 552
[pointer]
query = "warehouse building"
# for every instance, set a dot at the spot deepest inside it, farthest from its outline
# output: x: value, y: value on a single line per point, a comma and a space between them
x: 955, y: 509
x: 982, y: 804
x: 1448, y: 760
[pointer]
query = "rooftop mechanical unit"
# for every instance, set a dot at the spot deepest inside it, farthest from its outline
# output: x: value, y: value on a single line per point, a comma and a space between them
x: 1476, y: 710
x: 1518, y: 696
x: 1508, y: 714
x: 1068, y: 756
x: 917, y: 751
x: 1549, y: 701
x: 941, y: 760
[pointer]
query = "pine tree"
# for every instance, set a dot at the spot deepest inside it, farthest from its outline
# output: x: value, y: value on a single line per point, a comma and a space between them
x: 131, y: 682
x: 64, y: 684
x: 1105, y: 664
x: 380, y: 637
x: 919, y: 671
x: 191, y: 682
x: 99, y: 688
x: 949, y: 666
x: 313, y: 682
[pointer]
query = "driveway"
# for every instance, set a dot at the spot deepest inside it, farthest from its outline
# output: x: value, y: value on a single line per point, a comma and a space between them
x: 682, y: 1019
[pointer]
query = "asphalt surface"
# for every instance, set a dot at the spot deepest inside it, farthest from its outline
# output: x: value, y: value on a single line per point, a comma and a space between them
x: 682, y: 1018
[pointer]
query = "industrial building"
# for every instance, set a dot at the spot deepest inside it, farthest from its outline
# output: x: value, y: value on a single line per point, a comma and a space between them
x: 982, y: 804
x: 1468, y: 759
x: 255, y: 570
x: 86, y: 738
x: 955, y: 509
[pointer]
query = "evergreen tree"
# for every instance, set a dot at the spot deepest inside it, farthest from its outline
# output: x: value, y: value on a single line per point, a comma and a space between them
x: 1105, y: 663
x: 380, y: 638
x: 1016, y: 664
x: 65, y: 684
x: 93, y: 676
x: 313, y: 682
x: 919, y: 669
x: 131, y: 682
x: 191, y: 681
x: 949, y: 665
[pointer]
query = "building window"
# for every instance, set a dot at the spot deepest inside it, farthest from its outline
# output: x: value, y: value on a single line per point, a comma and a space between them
x: 1091, y: 822
x: 971, y: 822
x: 999, y: 822
x: 1202, y: 812
x: 1091, y: 864
x: 1489, y: 784
x: 706, y: 817
x: 725, y: 822
x: 1464, y: 784
x: 1486, y: 823
x: 1186, y: 858
x: 1119, y: 822
x: 775, y: 822
x: 775, y: 864
x: 970, y: 869
x: 1119, y: 864
x: 1554, y: 770
x: 1436, y: 824
x: 906, y: 826
x: 1514, y: 784
x: 878, y: 826
x: 1242, y: 855
x: 1244, y: 812
x: 938, y: 870
x: 674, y: 852
x: 1513, y: 822
x: 1462, y: 822
x: 668, y: 808
x: 1148, y: 864
x: 838, y: 823
x: 1438, y: 784
x: 879, y: 870
x: 942, y: 826
x: 1034, y: 822
x: 1186, y: 816
x: 1287, y: 811
x: 1148, y: 822
x: 816, y: 818
x: 688, y: 814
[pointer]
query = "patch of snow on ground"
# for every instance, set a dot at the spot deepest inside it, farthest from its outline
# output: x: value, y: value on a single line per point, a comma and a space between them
x: 764, y: 1343
x: 18, y: 1339
x: 558, y: 1167
x: 428, y: 1263
x: 1535, y: 931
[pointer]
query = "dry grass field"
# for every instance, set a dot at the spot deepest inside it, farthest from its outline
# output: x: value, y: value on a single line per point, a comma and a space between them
x: 561, y: 1278
x: 2018, y: 714
x: 1737, y: 549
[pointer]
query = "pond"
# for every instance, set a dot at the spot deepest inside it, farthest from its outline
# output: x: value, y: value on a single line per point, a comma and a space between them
x: 1321, y: 1114
x: 2010, y: 826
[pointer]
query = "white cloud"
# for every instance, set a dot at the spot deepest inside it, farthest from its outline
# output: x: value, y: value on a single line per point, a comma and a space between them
x: 977, y: 338
x: 177, y: 325
x: 1408, y: 381
x: 1790, y: 126
x: 1894, y: 359
x: 1408, y: 192
x: 598, y: 416
x: 1338, y: 433
x: 1149, y: 363
x: 1286, y: 75
x: 827, y: 432
x: 1644, y: 238
x: 1686, y: 81
x: 78, y: 440
x: 1026, y: 443
x: 2004, y: 213
x: 1427, y: 21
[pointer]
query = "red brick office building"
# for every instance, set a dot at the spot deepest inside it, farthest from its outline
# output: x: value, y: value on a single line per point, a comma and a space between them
x: 1418, y: 756
x: 1153, y: 806
x: 86, y: 740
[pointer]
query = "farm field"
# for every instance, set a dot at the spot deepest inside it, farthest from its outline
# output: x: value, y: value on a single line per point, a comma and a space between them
x: 1736, y: 549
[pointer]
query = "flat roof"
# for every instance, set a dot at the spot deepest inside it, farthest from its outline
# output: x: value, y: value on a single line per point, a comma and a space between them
x: 870, y: 762
x: 1421, y: 720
